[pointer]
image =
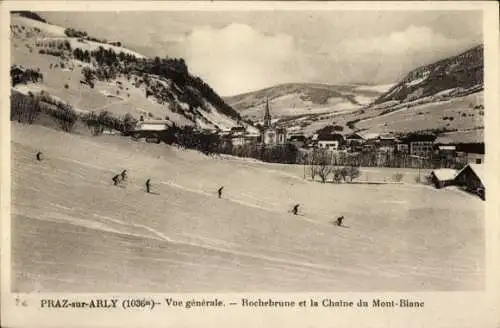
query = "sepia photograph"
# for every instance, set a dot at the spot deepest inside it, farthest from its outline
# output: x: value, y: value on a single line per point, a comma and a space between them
x: 231, y: 151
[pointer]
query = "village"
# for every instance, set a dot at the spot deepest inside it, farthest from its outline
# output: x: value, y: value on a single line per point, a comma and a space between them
x: 452, y: 161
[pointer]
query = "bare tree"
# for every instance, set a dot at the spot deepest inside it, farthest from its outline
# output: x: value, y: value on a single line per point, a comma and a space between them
x: 323, y: 165
x: 353, y: 172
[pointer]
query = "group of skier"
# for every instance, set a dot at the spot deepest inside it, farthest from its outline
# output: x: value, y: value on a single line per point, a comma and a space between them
x: 118, y: 178
x: 295, y: 211
x: 123, y: 177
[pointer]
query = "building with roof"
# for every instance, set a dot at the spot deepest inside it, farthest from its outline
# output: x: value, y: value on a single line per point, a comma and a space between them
x: 466, y: 147
x: 443, y: 177
x: 330, y: 141
x: 421, y: 145
x: 369, y: 135
x: 153, y: 125
x: 272, y: 135
x: 471, y: 178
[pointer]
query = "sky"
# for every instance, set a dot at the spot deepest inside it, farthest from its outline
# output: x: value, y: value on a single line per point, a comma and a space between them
x: 242, y: 51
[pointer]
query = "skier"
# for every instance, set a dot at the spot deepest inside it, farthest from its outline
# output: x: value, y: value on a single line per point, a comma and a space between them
x: 295, y: 209
x: 339, y: 220
x: 39, y: 156
x: 116, y: 179
x: 220, y: 191
x: 124, y: 175
x: 148, y: 185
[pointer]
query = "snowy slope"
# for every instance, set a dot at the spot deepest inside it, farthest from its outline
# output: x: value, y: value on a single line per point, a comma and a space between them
x: 73, y: 231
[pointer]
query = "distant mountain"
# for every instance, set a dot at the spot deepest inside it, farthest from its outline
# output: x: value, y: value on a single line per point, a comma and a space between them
x: 442, y: 97
x: 454, y: 74
x: 92, y: 74
x: 299, y: 99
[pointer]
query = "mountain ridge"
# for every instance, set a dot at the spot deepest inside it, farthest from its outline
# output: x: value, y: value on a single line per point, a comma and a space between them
x: 464, y: 70
x: 92, y: 74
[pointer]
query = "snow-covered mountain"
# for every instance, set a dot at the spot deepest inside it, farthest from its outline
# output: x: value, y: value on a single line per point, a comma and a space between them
x: 124, y: 80
x: 455, y: 75
x: 303, y: 99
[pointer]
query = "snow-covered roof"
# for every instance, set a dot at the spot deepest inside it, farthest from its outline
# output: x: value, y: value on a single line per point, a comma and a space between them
x: 474, y: 136
x: 479, y: 170
x: 369, y: 135
x: 445, y: 174
x: 155, y: 122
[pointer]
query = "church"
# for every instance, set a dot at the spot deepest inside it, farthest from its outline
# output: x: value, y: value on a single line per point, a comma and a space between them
x: 272, y: 135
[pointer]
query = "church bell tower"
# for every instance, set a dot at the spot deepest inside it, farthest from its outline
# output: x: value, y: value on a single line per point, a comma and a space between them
x: 267, y: 116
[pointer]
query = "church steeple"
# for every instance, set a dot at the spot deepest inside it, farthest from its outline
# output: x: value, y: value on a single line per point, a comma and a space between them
x: 267, y: 115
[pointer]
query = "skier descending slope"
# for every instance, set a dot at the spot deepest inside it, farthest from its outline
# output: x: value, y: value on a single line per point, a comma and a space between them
x: 339, y: 220
x: 295, y: 209
x: 124, y: 175
x: 116, y: 179
x: 39, y: 156
x: 220, y: 191
x: 148, y: 186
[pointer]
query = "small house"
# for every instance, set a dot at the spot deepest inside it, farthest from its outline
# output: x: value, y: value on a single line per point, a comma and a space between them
x: 471, y: 178
x: 330, y: 141
x: 153, y: 125
x: 421, y: 145
x: 354, y: 139
x: 443, y: 177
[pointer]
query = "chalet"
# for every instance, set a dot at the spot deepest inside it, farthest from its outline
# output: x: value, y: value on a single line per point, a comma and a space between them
x: 354, y: 139
x: 330, y: 141
x: 237, y: 135
x: 471, y: 178
x: 153, y: 125
x: 421, y: 145
x: 443, y: 177
x: 465, y: 147
x: 387, y: 143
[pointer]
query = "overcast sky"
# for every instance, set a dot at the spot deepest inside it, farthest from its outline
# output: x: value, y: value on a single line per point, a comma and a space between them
x: 237, y: 52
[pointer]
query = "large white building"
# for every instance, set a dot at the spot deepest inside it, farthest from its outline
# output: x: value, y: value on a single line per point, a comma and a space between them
x: 153, y: 125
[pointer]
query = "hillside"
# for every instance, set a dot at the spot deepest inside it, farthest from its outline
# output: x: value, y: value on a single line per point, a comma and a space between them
x: 91, y: 75
x: 73, y: 231
x: 443, y: 97
x: 304, y: 99
x: 453, y: 75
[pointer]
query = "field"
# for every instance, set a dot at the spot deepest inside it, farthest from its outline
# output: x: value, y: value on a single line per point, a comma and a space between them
x: 73, y: 231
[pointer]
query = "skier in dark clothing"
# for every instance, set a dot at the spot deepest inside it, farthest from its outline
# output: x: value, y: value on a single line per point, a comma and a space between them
x: 339, y: 220
x: 295, y: 209
x: 116, y: 179
x: 39, y: 156
x: 124, y: 175
x: 220, y: 191
x: 148, y: 185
